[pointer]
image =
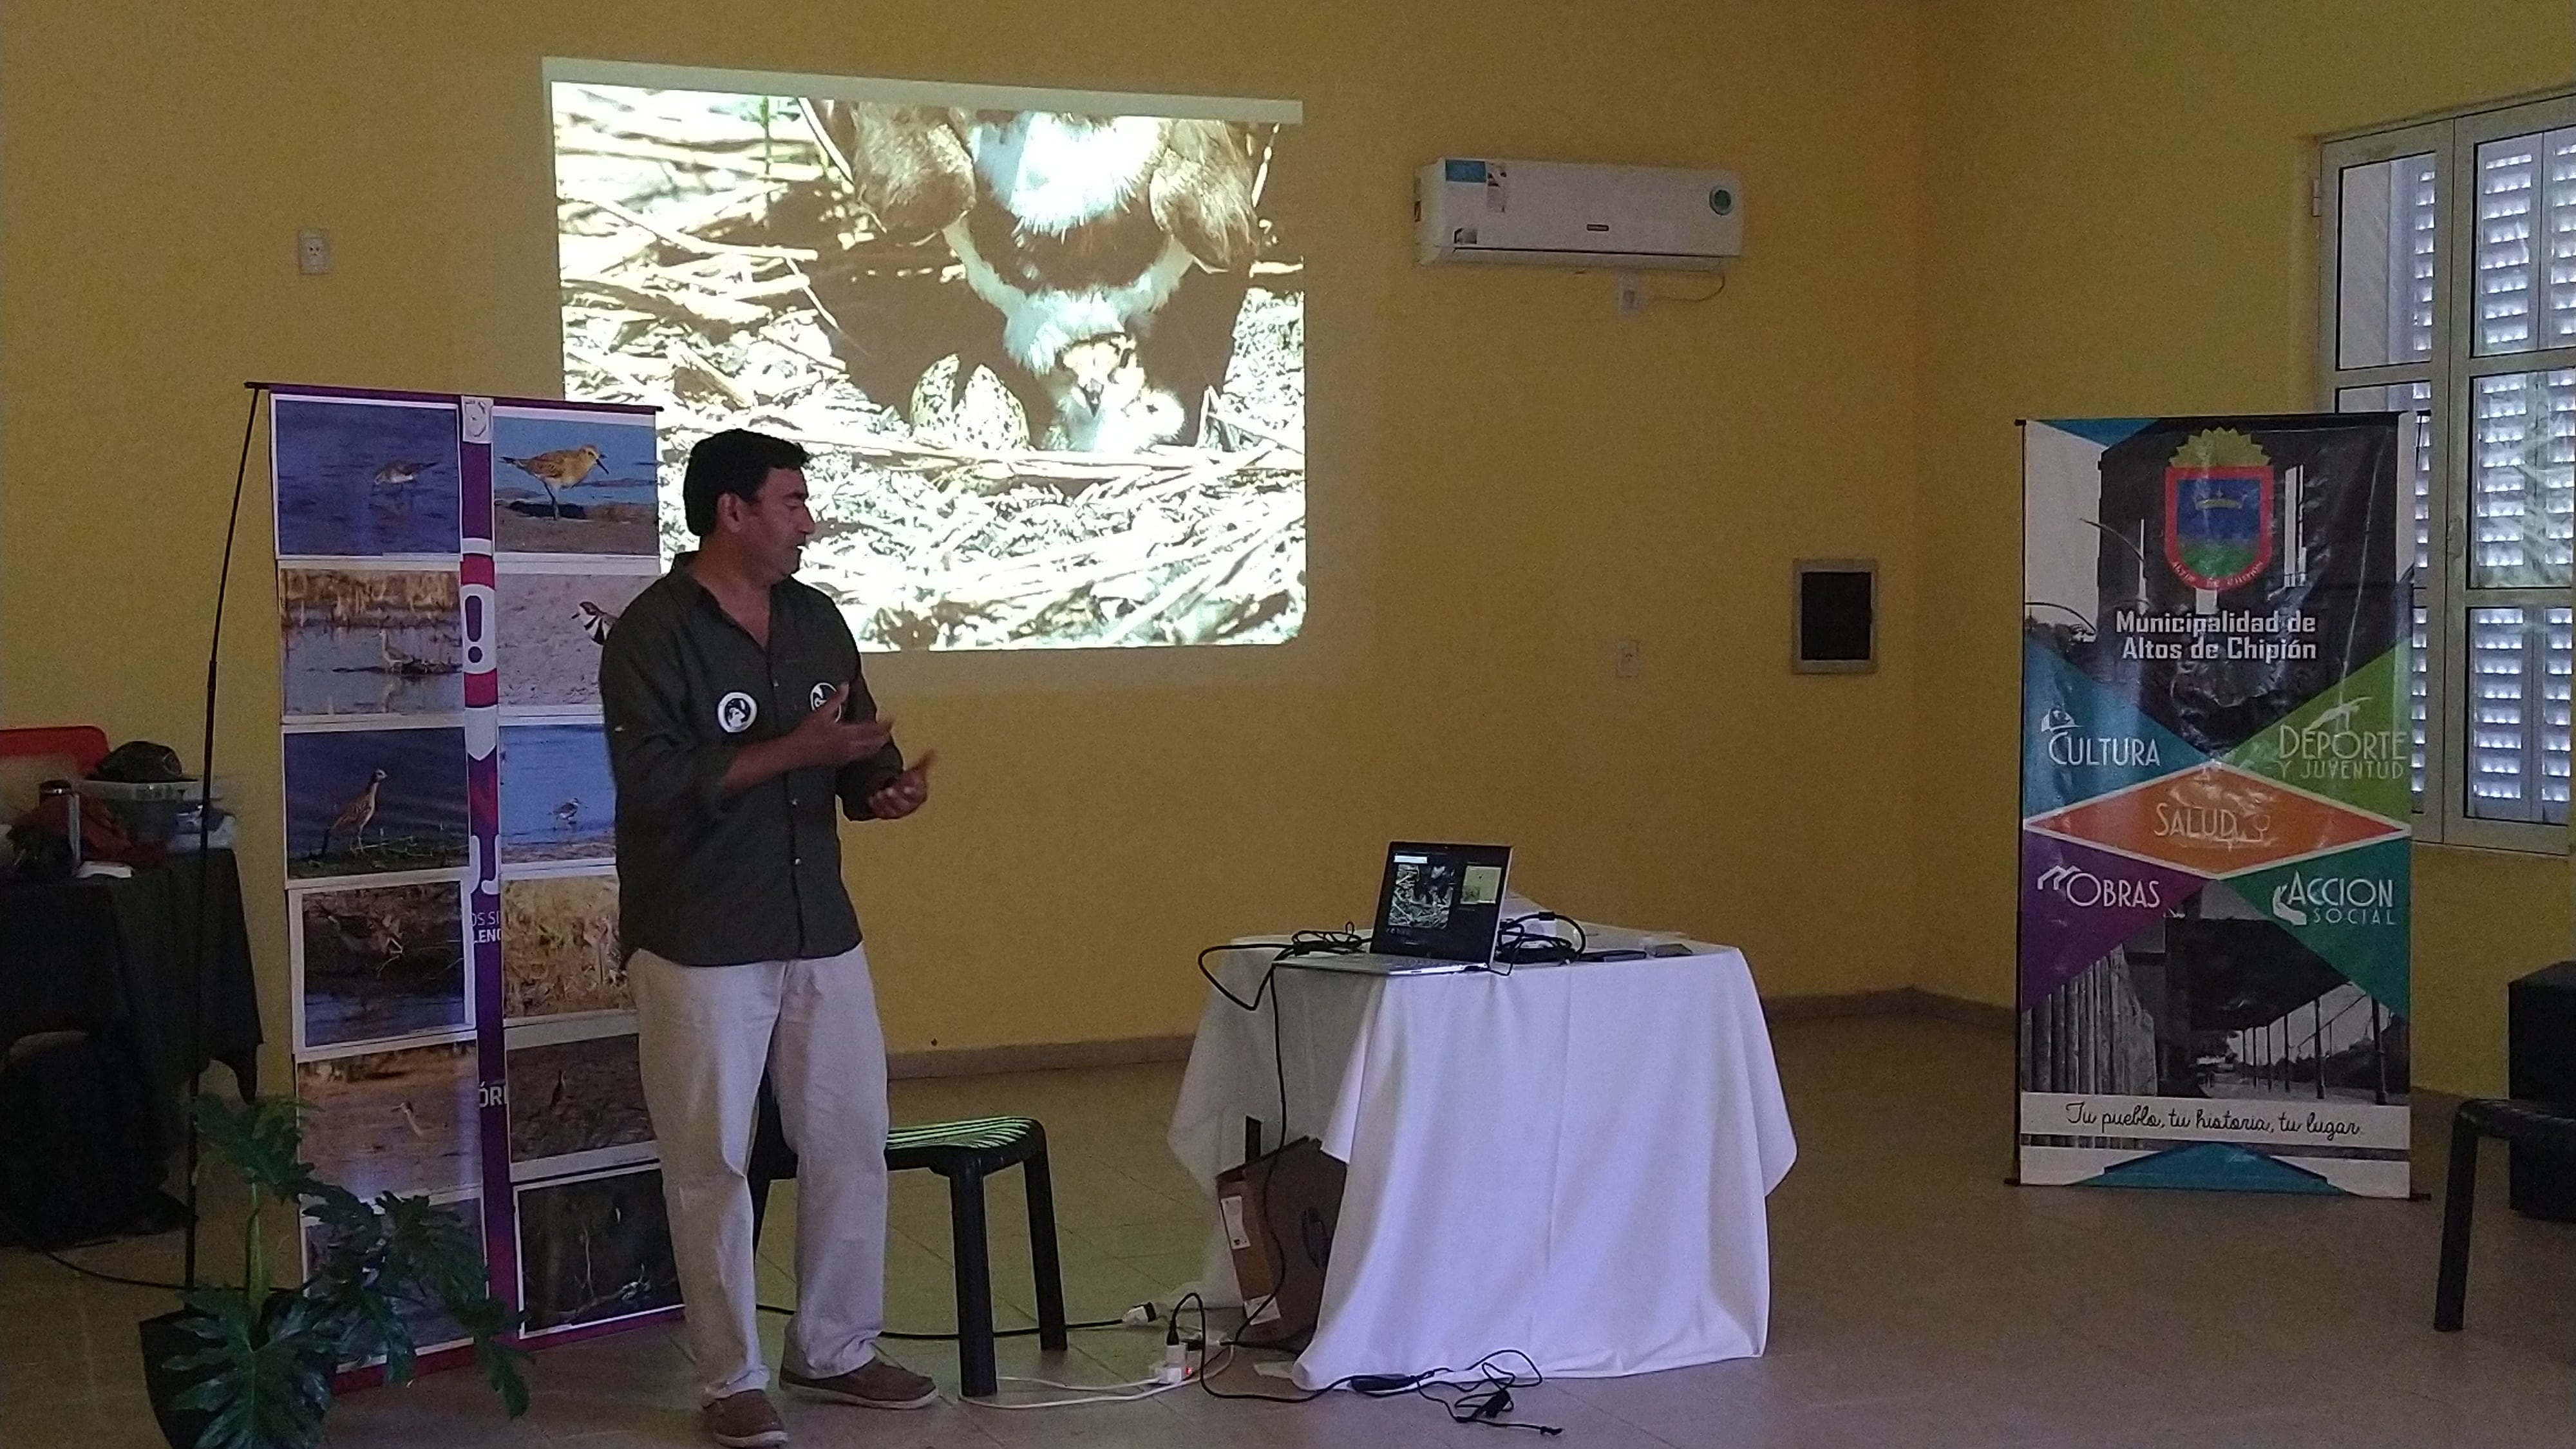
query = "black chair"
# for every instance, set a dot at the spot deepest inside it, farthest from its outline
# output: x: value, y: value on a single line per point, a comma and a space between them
x: 965, y: 1153
x: 2545, y: 1128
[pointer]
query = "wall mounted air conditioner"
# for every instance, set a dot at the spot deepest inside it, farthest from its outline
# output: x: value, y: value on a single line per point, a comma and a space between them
x: 1560, y: 214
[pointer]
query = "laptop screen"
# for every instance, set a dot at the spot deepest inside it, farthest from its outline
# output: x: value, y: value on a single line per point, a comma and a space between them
x: 1444, y: 902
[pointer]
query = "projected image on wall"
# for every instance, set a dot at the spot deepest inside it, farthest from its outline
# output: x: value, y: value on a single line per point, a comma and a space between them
x: 1050, y: 362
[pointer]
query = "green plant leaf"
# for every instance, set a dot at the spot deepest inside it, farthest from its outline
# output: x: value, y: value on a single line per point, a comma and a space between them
x: 500, y: 1364
x: 271, y: 1379
x: 216, y: 1314
x: 258, y: 1140
x: 338, y: 1208
x: 434, y: 1256
x: 221, y: 1319
x: 262, y: 1140
x: 363, y: 1321
x: 375, y: 1260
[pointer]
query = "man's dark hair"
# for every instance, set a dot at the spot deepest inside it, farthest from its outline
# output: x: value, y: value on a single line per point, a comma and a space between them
x: 735, y: 461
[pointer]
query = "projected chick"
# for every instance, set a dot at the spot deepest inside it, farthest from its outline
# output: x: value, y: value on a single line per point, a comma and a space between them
x: 1079, y: 231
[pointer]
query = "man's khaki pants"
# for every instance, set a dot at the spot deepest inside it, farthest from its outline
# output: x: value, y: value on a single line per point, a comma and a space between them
x: 707, y: 1033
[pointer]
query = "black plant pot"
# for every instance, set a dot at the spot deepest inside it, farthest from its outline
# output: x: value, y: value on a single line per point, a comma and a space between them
x: 163, y: 1340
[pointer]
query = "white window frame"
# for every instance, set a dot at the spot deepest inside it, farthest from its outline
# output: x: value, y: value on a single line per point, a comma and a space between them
x: 2452, y: 139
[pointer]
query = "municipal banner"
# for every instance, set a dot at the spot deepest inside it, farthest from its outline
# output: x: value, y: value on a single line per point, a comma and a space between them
x: 2217, y: 766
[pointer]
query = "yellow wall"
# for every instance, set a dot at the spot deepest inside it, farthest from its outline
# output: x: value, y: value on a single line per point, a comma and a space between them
x: 1507, y: 478
x: 2116, y: 222
x: 1959, y: 213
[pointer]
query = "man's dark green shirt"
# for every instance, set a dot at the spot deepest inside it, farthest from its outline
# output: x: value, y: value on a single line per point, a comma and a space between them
x: 704, y: 880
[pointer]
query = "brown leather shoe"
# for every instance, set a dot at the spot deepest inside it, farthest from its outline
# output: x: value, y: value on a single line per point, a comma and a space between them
x: 880, y: 1383
x: 745, y: 1420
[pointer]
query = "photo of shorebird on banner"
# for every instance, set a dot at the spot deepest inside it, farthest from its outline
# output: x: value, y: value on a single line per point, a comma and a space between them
x: 362, y: 476
x: 361, y: 639
x: 379, y: 962
x: 554, y: 613
x: 365, y: 801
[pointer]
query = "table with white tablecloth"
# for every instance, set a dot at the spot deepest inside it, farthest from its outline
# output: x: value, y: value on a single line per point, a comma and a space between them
x: 1569, y: 1161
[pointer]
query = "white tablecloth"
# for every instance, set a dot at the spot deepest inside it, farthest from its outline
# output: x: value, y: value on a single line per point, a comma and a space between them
x: 1570, y: 1161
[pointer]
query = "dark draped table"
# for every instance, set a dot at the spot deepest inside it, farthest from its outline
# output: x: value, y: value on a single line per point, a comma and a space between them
x: 122, y: 957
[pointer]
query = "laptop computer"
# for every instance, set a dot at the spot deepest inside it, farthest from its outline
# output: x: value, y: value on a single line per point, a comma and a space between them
x: 1439, y: 909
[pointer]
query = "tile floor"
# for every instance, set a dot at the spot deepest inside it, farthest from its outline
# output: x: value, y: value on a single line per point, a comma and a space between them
x: 1918, y: 1301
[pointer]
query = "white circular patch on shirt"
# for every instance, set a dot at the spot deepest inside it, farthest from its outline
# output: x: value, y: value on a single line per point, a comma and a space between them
x: 822, y: 692
x: 735, y: 712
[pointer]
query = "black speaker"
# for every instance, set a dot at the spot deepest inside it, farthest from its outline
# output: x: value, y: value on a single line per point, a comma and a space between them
x: 1834, y: 611
x: 2540, y: 1066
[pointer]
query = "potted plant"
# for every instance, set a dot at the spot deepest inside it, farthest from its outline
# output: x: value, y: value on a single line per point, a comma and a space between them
x: 250, y: 1367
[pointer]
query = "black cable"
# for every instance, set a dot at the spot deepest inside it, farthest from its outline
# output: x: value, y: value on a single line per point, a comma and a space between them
x: 1209, y: 1367
x: 1349, y: 940
x: 1710, y: 295
x: 997, y: 1333
x: 1521, y: 943
x: 1480, y: 1399
x: 19, y: 1229
x: 1488, y: 1396
x: 952, y: 1338
x: 205, y: 830
x: 1278, y: 1254
x: 1258, y: 991
x: 105, y: 1276
x: 1271, y: 1229
x: 1346, y: 941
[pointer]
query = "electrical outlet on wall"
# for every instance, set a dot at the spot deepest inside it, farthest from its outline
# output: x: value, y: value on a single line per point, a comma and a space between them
x: 1625, y: 660
x: 313, y: 251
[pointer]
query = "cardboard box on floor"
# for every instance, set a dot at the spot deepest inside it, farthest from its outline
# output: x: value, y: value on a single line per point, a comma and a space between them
x: 1281, y: 1273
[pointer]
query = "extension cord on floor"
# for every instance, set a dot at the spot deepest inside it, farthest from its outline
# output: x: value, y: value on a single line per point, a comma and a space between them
x: 1176, y: 1367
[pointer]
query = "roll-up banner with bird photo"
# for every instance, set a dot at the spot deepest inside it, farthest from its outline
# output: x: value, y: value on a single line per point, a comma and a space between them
x: 448, y: 570
x: 2219, y: 763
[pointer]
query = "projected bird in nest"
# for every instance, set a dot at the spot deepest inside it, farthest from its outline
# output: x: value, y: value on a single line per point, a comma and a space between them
x: 1423, y: 895
x: 1049, y: 365
x: 1112, y: 251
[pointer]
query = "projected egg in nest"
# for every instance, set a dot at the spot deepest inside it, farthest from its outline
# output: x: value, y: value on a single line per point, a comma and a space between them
x: 981, y: 414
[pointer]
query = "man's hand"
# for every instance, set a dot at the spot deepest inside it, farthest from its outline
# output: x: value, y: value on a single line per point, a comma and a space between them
x: 824, y: 738
x: 906, y: 792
